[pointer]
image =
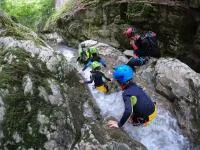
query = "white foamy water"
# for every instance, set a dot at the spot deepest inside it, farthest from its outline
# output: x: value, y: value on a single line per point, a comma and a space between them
x: 162, y: 134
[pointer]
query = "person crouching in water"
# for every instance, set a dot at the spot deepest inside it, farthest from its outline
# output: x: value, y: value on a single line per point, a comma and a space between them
x: 94, y: 56
x: 84, y: 54
x: 139, y: 108
x: 97, y: 76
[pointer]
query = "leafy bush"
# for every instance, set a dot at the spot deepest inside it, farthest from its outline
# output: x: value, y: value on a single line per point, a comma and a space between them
x: 31, y: 13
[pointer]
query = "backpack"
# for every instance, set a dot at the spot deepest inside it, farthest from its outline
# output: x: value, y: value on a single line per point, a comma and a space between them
x: 84, y: 55
x: 152, y: 49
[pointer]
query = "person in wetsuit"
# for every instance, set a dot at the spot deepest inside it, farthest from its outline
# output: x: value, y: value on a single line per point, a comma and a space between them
x: 97, y: 77
x: 144, y: 46
x: 139, y: 108
x: 94, y: 56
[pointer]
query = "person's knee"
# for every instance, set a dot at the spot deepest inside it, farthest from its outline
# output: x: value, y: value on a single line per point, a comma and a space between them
x: 136, y: 61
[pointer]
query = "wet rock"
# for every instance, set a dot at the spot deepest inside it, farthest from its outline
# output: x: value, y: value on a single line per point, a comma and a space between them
x: 181, y: 85
x: 128, y: 53
x: 53, y: 38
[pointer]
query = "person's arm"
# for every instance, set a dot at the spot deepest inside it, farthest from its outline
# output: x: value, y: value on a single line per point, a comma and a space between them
x: 128, y: 110
x: 132, y: 42
x: 87, y: 82
x: 87, y: 65
x: 108, y: 79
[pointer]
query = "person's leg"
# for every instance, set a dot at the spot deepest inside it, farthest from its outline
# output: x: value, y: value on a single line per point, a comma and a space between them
x: 137, y: 121
x: 139, y: 61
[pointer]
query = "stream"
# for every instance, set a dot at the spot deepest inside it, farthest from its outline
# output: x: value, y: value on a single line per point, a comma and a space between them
x: 163, y: 133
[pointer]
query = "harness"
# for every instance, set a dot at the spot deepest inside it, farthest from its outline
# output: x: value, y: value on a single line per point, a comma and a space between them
x: 137, y: 121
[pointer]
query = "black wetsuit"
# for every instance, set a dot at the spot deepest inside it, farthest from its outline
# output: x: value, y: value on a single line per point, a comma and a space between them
x: 140, y: 110
x: 97, y: 77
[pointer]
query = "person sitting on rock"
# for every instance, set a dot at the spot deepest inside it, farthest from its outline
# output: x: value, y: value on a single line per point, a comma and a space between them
x: 94, y: 56
x: 144, y: 46
x: 97, y: 76
x: 139, y: 108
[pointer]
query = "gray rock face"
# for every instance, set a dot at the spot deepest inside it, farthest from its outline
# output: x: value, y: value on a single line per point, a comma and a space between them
x: 177, y: 78
x: 53, y: 38
x: 195, y: 3
x: 180, y: 84
x: 41, y: 102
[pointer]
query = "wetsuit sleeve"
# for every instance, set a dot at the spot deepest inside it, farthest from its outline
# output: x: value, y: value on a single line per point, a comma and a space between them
x: 127, y: 111
x: 90, y: 81
x: 102, y: 61
x: 87, y: 65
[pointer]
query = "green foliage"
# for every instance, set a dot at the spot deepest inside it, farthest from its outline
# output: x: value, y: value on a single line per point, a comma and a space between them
x: 30, y: 13
x: 140, y: 9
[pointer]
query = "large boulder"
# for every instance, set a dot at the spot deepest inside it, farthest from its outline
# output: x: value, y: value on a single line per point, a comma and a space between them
x: 175, y: 22
x: 181, y: 85
x: 41, y: 104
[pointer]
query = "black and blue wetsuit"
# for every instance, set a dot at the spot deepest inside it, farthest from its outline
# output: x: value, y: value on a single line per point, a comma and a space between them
x: 97, y: 77
x: 138, y: 105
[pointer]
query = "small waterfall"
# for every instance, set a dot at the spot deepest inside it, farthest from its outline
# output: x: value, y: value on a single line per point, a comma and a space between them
x: 163, y: 133
x: 59, y: 4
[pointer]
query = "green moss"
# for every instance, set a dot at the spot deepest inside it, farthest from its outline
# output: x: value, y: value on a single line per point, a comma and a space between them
x: 140, y: 9
x: 17, y: 117
x: 51, y: 22
x: 136, y: 8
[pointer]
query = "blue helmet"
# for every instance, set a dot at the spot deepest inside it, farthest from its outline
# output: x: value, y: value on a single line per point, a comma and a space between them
x: 123, y: 73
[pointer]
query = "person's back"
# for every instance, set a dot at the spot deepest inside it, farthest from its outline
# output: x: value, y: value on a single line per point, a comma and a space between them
x: 97, y: 77
x: 148, y: 45
x: 144, y: 106
x: 142, y: 45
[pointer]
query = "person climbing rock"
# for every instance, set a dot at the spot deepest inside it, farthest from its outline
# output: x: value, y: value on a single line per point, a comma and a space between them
x: 94, y: 56
x: 97, y: 76
x: 84, y: 54
x: 144, y: 46
x: 139, y: 108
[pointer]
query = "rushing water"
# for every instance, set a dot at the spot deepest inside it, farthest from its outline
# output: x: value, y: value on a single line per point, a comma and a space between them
x: 163, y: 133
